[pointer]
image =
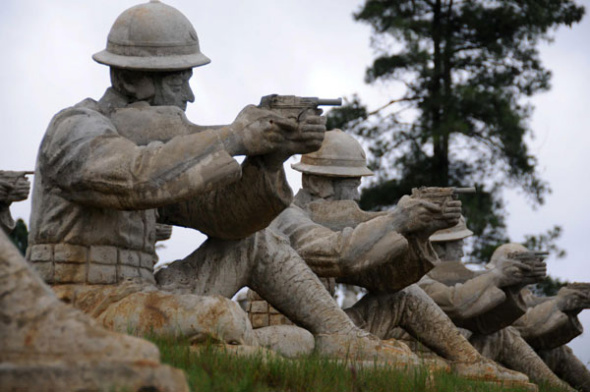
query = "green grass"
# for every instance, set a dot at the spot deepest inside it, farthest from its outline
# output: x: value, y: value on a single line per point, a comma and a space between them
x: 213, y: 369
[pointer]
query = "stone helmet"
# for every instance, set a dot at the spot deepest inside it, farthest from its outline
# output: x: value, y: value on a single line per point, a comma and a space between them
x: 504, y: 250
x: 339, y: 156
x: 457, y: 232
x: 152, y: 37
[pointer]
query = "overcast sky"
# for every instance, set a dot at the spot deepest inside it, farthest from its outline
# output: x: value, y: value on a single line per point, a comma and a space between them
x: 303, y: 47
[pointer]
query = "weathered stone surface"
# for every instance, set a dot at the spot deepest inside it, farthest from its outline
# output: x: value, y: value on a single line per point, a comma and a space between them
x: 552, y: 322
x: 487, y: 303
x: 14, y: 186
x: 49, y: 346
x: 288, y: 340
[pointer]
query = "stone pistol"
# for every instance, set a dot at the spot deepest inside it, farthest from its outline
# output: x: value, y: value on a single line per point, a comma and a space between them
x: 294, y: 107
x: 581, y: 289
x: 14, y: 178
x: 438, y: 195
x: 529, y: 257
x: 577, y: 286
x: 14, y: 175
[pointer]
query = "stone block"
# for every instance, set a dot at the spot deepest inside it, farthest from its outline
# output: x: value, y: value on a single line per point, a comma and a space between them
x: 259, y: 307
x: 69, y: 273
x: 259, y: 320
x: 102, y: 274
x: 129, y: 257
x: 103, y: 255
x: 147, y: 260
x: 45, y: 270
x: 40, y: 253
x: 70, y: 253
x: 125, y: 272
x: 278, y: 319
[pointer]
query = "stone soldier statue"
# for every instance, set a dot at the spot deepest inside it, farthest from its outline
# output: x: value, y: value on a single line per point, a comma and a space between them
x: 47, y: 345
x: 338, y: 240
x: 14, y: 186
x: 108, y: 170
x: 550, y: 323
x: 485, y: 304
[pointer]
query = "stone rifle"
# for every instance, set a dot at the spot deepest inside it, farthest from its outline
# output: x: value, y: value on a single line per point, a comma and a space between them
x: 294, y: 107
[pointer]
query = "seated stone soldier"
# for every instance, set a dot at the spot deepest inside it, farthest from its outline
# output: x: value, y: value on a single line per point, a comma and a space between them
x: 14, y: 186
x: 47, y: 343
x: 550, y: 323
x: 385, y: 252
x: 485, y: 304
x: 108, y: 170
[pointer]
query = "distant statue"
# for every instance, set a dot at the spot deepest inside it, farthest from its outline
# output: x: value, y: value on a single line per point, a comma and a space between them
x: 14, y: 186
x: 109, y: 170
x: 550, y: 323
x: 486, y: 304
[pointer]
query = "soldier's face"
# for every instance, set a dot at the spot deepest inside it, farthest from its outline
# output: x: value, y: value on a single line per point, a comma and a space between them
x: 449, y: 250
x: 347, y: 188
x: 173, y: 89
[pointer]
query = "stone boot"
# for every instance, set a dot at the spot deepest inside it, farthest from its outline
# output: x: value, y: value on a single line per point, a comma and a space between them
x: 49, y: 346
x: 359, y: 345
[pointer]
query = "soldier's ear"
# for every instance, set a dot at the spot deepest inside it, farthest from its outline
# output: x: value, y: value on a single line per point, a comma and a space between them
x: 142, y: 86
x: 138, y: 85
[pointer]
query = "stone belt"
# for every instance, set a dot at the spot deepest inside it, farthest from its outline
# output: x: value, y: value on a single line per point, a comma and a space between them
x: 67, y: 263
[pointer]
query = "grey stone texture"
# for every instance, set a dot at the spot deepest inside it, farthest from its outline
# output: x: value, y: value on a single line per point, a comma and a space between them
x: 49, y: 346
x: 552, y: 322
x: 485, y: 304
x: 14, y: 186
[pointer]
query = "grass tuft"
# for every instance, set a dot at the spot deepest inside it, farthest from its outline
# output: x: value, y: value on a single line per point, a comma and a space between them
x: 214, y: 369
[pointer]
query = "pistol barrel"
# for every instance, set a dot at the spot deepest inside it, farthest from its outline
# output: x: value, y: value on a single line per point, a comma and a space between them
x: 329, y: 101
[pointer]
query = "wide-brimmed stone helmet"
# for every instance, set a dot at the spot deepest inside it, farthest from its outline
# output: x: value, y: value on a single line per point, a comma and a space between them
x: 504, y: 250
x: 152, y: 37
x: 339, y: 156
x: 455, y: 233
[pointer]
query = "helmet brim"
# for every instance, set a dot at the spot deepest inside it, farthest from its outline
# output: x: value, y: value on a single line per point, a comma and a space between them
x: 155, y: 64
x: 332, y: 171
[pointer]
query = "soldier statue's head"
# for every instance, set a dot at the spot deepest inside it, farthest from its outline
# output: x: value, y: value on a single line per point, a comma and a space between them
x: 506, y: 251
x: 448, y: 243
x: 334, y: 171
x: 151, y: 50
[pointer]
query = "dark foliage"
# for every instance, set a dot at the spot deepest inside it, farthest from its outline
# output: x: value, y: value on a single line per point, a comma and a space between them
x: 467, y: 67
x: 19, y: 236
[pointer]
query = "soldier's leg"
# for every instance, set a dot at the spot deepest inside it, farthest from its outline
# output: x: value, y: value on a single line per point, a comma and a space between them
x: 267, y: 263
x: 48, y: 345
x: 567, y: 366
x: 510, y: 349
x: 414, y: 311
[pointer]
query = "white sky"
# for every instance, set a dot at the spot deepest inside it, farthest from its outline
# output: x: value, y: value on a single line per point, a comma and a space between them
x: 303, y: 47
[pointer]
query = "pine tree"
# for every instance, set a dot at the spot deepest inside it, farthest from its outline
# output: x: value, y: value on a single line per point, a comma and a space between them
x: 467, y: 67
